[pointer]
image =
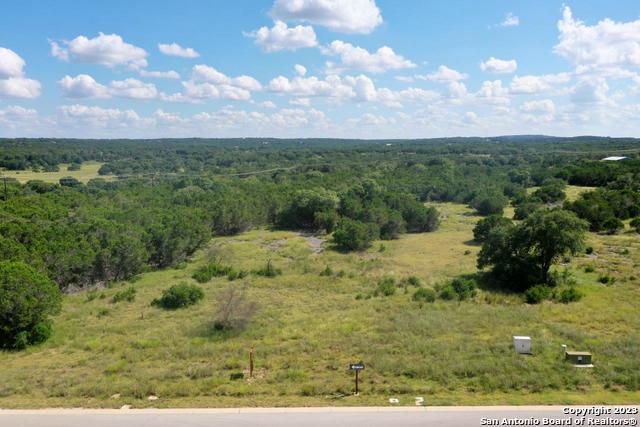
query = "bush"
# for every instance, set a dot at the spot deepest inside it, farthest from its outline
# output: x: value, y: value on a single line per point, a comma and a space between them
x: 233, y: 310
x: 459, y: 288
x: 588, y: 250
x: 352, y: 235
x: 589, y: 268
x: 128, y: 295
x: 179, y: 296
x: 490, y: 203
x: 269, y: 270
x: 536, y: 294
x: 237, y: 274
x: 412, y: 281
x: 386, y: 287
x: 27, y: 299
x: 424, y: 295
x: 209, y: 271
x: 606, y: 279
x: 635, y: 223
x: 486, y: 225
x: 570, y: 294
x: 328, y: 271
x: 612, y: 225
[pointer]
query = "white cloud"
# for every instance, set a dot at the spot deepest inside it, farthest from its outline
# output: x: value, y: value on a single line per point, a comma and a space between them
x: 544, y: 106
x: 133, y: 88
x: 590, y: 92
x: 470, y: 118
x: 281, y: 37
x: 300, y: 69
x: 11, y: 64
x: 608, y: 43
x: 268, y: 104
x: 352, y: 16
x: 357, y: 58
x: 208, y: 83
x: 444, y: 74
x: 510, y: 20
x: 109, y: 50
x: 76, y: 115
x: 531, y: 84
x: 160, y: 74
x: 499, y: 66
x: 13, y: 82
x: 19, y: 87
x: 302, y: 102
x: 493, y: 92
x: 82, y: 86
x: 174, y: 49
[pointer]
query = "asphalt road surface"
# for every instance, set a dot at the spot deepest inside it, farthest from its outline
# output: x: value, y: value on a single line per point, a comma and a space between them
x: 333, y: 417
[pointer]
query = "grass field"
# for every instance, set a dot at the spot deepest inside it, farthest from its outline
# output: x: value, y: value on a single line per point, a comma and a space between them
x: 89, y: 170
x: 309, y: 327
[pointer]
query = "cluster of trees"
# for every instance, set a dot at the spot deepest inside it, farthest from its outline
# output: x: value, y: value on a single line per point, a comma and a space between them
x: 605, y: 208
x: 521, y: 255
x: 364, y: 212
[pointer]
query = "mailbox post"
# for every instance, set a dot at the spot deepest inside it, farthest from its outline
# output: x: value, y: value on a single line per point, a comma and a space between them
x: 356, y: 367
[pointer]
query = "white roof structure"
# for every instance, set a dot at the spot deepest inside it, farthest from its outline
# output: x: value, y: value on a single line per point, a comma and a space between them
x: 614, y: 158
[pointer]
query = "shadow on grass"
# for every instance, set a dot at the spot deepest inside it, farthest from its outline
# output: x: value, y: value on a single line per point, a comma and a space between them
x: 488, y: 282
x: 210, y: 331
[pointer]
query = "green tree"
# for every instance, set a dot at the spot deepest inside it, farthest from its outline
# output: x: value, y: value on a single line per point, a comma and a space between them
x: 523, y: 254
x: 485, y: 225
x: 354, y: 235
x: 27, y: 299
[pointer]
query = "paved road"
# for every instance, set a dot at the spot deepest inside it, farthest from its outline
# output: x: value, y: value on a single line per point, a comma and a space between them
x: 333, y: 417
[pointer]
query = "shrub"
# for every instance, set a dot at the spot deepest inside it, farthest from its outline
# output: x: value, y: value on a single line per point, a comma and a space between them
x: 606, y: 279
x: 209, y: 271
x: 179, y: 296
x: 352, y: 235
x: 570, y: 294
x: 490, y: 203
x: 612, y: 225
x: 536, y: 294
x: 269, y: 270
x: 237, y: 274
x: 233, y: 310
x: 128, y: 295
x: 328, y: 271
x: 589, y: 268
x: 459, y: 289
x: 386, y: 287
x: 635, y: 223
x: 27, y: 299
x: 424, y: 295
x: 412, y: 281
x: 588, y: 250
x: 485, y: 225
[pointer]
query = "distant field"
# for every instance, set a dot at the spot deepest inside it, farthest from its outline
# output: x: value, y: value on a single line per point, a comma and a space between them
x: 309, y: 327
x: 89, y: 170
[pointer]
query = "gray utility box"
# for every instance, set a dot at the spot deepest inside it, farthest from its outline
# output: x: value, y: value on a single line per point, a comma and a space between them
x: 578, y: 357
x: 522, y: 344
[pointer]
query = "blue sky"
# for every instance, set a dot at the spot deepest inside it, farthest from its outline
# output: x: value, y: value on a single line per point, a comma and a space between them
x: 314, y: 68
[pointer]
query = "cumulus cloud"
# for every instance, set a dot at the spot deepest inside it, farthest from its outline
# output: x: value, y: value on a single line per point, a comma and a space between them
x: 13, y: 82
x: 590, y: 92
x: 470, y: 118
x: 510, y: 20
x: 353, y: 88
x: 357, y: 58
x: 82, y: 86
x: 544, y: 106
x: 301, y: 70
x: 499, y: 66
x: 281, y: 37
x: 208, y: 83
x: 160, y: 74
x: 11, y: 64
x: 174, y: 49
x: 75, y: 115
x: 353, y: 16
x: 444, y: 74
x: 133, y: 88
x: 608, y: 43
x: 109, y: 50
x: 531, y: 84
